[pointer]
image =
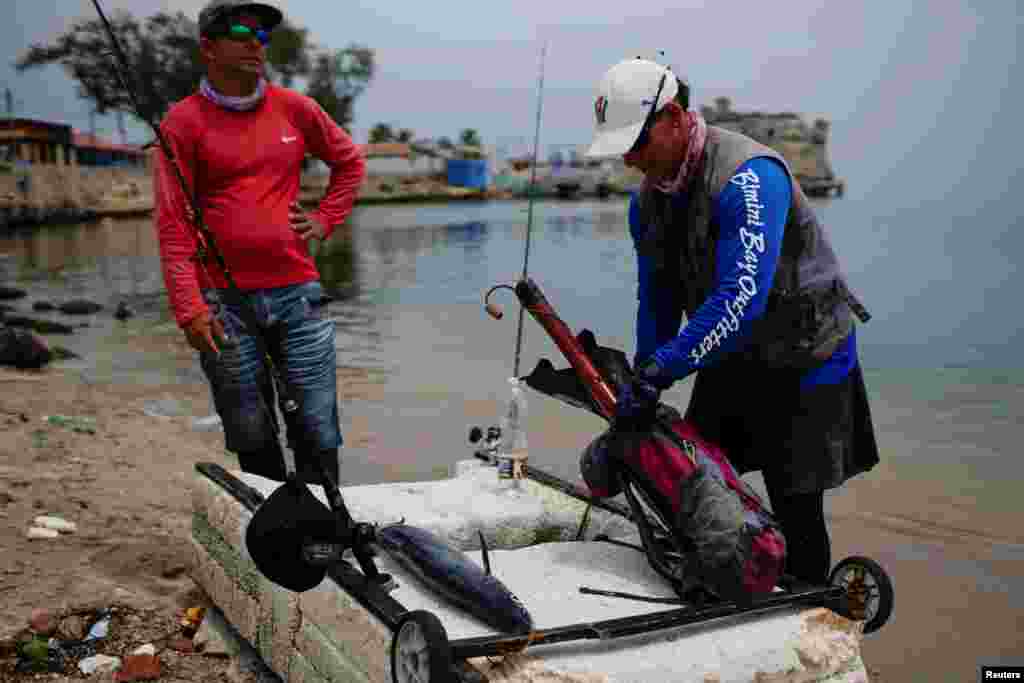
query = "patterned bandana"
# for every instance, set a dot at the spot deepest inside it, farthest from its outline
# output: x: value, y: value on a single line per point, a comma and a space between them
x: 694, y: 151
x: 246, y: 103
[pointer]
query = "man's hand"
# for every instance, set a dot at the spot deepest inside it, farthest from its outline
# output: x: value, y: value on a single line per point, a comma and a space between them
x: 204, y: 331
x: 304, y: 225
x: 636, y: 405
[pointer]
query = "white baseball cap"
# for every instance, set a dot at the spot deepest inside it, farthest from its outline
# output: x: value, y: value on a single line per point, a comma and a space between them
x: 624, y: 99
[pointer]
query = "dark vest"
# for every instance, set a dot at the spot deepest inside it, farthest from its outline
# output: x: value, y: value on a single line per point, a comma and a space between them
x: 810, y: 308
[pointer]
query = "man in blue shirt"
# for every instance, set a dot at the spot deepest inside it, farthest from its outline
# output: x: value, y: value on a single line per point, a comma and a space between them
x: 725, y: 235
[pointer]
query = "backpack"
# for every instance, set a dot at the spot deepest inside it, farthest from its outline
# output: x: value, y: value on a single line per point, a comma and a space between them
x: 732, y: 543
x: 719, y: 531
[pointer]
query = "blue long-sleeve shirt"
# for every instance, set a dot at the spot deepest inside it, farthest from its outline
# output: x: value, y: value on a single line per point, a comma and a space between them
x: 751, y: 211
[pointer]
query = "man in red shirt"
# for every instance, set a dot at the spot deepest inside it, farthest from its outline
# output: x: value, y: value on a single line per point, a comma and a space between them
x: 239, y: 142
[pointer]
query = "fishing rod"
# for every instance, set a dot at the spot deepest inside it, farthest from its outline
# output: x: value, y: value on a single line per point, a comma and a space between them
x: 205, y: 242
x: 529, y: 205
x: 494, y: 310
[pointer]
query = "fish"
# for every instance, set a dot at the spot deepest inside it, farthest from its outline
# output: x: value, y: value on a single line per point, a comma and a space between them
x: 455, y: 576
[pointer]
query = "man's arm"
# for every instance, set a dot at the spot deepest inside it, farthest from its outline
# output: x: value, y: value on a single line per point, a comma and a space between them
x: 657, y: 321
x: 329, y: 142
x: 751, y: 212
x: 175, y: 232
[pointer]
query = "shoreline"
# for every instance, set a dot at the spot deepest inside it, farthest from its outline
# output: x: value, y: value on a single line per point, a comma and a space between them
x: 14, y: 216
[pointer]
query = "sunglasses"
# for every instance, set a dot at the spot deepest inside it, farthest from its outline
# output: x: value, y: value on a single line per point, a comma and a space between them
x: 241, y: 33
x: 645, y: 130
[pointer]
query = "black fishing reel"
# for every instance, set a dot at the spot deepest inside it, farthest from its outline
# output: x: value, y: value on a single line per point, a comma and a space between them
x: 294, y: 539
x: 493, y: 436
x: 321, y: 553
x: 486, y: 444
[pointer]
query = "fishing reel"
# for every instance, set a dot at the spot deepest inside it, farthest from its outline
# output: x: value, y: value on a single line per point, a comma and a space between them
x: 486, y: 444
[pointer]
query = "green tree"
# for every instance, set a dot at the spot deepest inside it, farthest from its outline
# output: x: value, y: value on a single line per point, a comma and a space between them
x: 162, y: 54
x: 338, y: 78
x: 382, y: 132
x: 470, y: 138
x: 289, y: 54
x: 165, y: 65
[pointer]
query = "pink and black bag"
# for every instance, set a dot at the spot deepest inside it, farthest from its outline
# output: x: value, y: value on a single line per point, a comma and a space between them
x: 715, y: 531
x: 733, y: 545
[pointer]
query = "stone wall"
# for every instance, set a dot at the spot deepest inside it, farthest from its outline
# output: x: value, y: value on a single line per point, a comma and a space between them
x: 117, y: 190
x: 52, y: 186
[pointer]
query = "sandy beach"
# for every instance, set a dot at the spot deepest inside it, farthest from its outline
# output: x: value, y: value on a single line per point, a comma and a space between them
x: 956, y: 576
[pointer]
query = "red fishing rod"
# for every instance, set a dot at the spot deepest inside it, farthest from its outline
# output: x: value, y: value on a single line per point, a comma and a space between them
x: 534, y: 301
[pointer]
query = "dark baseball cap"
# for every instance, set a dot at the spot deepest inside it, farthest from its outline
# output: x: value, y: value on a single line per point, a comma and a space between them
x: 217, y: 10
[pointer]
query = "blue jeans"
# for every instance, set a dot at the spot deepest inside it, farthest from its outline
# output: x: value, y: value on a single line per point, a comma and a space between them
x: 301, y: 343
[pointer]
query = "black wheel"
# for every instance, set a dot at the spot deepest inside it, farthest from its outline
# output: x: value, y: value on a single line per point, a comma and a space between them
x: 869, y: 592
x: 420, y: 652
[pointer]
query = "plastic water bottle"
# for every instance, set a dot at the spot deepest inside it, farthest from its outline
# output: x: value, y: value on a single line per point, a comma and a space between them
x: 512, y: 454
x: 101, y: 627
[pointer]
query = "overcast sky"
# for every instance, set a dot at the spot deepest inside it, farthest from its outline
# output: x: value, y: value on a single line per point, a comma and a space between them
x: 870, y: 67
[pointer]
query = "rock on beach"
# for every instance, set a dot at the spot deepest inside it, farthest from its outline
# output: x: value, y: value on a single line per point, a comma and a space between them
x: 9, y: 293
x: 80, y: 307
x: 23, y: 349
x: 37, y: 533
x: 55, y: 523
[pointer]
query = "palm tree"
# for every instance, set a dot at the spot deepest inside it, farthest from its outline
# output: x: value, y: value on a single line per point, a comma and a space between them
x: 381, y: 133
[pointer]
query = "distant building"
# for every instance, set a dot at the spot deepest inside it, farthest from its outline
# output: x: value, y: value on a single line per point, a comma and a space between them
x: 804, y: 146
x: 402, y: 159
x: 44, y: 142
x: 93, y: 150
x: 32, y: 141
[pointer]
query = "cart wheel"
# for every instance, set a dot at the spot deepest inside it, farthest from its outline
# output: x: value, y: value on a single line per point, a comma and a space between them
x: 869, y: 593
x: 420, y: 652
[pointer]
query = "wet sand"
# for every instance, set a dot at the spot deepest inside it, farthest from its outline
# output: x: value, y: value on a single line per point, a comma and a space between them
x: 957, y: 574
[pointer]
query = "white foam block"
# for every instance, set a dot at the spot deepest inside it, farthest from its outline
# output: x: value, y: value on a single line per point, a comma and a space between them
x: 547, y: 578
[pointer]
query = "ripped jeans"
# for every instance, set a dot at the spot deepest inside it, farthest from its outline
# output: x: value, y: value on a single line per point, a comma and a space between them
x: 301, y: 343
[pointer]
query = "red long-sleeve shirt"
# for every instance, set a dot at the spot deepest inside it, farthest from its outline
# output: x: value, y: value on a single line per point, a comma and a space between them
x: 246, y: 167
